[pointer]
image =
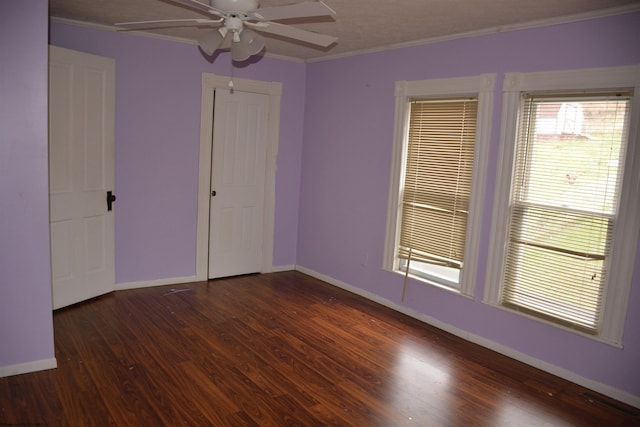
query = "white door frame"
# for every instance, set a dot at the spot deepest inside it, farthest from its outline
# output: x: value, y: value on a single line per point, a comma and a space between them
x: 274, y: 90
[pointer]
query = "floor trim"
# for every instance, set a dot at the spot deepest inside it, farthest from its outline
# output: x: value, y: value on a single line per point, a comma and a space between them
x: 25, y: 368
x: 158, y: 282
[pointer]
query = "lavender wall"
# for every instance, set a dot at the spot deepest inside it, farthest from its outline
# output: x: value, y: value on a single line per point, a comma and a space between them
x: 348, y: 138
x: 26, y: 328
x: 158, y: 95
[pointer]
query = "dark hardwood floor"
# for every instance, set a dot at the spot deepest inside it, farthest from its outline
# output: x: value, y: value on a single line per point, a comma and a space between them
x: 281, y: 349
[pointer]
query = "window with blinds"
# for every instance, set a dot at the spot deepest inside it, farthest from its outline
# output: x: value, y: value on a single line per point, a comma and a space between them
x: 437, y: 188
x: 568, y: 163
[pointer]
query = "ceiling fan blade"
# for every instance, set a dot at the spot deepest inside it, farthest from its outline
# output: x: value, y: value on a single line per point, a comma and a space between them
x: 166, y: 23
x: 295, y: 33
x: 297, y: 10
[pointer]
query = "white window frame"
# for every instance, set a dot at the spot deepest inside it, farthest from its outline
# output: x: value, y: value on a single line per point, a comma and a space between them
x: 482, y: 87
x: 625, y: 239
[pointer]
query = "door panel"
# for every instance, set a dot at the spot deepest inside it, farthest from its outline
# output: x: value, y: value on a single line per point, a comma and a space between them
x: 81, y: 127
x: 238, y: 182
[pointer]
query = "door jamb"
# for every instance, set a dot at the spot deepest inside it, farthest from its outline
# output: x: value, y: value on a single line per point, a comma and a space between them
x: 274, y: 91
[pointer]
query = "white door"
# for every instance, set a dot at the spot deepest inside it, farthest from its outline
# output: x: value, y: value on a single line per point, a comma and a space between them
x: 81, y: 158
x: 237, y: 183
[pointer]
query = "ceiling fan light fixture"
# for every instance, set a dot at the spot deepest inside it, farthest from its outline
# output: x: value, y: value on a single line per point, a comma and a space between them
x: 239, y: 52
x: 212, y: 40
x: 252, y: 40
x: 248, y: 43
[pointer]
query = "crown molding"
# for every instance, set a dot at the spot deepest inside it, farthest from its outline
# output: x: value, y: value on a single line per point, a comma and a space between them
x: 113, y: 29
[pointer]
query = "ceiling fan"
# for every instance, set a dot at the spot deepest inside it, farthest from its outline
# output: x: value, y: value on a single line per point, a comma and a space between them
x: 238, y: 18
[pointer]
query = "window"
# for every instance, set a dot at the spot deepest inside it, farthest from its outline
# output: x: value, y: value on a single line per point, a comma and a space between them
x: 438, y: 168
x: 437, y: 187
x: 562, y: 222
x: 566, y: 187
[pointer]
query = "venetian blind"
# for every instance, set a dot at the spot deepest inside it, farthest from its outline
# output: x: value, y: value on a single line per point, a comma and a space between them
x: 437, y: 182
x: 566, y: 183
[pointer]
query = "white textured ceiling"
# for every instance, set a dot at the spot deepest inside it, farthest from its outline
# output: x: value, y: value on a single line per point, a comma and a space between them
x: 360, y: 25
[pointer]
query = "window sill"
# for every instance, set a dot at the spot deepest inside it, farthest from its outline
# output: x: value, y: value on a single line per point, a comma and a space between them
x: 428, y: 282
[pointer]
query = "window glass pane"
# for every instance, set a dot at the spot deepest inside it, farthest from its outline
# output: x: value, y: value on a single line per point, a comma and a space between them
x: 570, y: 153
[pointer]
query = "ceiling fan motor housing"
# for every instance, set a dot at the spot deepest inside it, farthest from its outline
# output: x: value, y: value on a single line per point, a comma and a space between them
x: 235, y: 5
x: 232, y: 23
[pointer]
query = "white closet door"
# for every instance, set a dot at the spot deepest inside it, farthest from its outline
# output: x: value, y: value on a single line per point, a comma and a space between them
x: 237, y: 183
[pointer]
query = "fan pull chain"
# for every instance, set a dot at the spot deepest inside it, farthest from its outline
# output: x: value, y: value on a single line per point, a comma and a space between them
x: 231, y: 78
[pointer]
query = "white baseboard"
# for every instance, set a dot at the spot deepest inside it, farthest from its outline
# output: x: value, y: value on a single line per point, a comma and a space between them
x: 179, y: 280
x: 158, y: 282
x: 604, y: 389
x: 281, y: 268
x: 25, y: 368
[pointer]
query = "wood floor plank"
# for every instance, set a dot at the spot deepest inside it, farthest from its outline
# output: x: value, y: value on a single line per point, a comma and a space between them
x: 281, y: 349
